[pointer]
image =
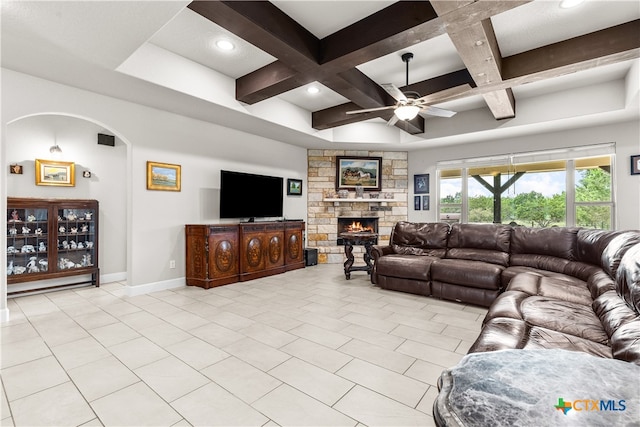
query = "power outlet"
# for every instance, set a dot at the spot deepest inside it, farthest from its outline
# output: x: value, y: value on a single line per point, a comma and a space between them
x: 172, y: 263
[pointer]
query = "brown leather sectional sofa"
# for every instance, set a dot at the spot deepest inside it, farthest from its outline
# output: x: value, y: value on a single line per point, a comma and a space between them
x: 560, y: 287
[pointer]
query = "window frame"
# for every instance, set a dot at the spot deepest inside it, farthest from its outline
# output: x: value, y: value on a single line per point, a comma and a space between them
x: 569, y: 156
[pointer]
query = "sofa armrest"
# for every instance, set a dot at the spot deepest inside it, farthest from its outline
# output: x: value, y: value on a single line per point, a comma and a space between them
x: 379, y: 250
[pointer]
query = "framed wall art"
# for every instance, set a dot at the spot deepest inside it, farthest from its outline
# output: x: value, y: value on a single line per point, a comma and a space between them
x: 55, y: 173
x: 353, y: 171
x: 425, y: 203
x: 163, y: 176
x: 16, y: 169
x: 421, y: 183
x: 294, y: 187
x: 416, y: 203
x: 635, y: 165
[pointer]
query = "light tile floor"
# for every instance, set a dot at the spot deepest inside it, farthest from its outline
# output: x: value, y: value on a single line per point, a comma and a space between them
x: 302, y: 348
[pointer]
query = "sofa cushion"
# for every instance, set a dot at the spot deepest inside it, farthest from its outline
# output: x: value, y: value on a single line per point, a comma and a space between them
x: 475, y: 274
x: 509, y: 273
x: 539, y: 338
x: 504, y: 333
x: 616, y: 249
x: 625, y: 342
x: 599, y: 283
x: 405, y: 266
x: 480, y: 242
x: 628, y: 277
x: 613, y: 311
x: 501, y: 334
x: 540, y: 262
x: 412, y: 238
x: 565, y: 317
x: 559, y: 242
x: 591, y: 243
x: 533, y: 284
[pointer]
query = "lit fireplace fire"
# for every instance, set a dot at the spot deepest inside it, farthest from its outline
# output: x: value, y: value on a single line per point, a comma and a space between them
x: 357, y: 227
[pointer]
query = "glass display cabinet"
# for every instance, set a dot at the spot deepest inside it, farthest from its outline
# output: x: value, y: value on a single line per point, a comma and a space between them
x: 52, y: 238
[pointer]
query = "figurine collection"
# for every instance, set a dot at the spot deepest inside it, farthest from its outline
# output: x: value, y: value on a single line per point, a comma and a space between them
x: 74, y: 237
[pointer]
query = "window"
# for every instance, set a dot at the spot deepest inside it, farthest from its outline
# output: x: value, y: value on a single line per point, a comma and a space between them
x: 450, y: 195
x: 593, y: 200
x: 519, y: 190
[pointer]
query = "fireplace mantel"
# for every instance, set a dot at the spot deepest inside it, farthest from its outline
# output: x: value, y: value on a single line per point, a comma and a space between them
x: 336, y: 202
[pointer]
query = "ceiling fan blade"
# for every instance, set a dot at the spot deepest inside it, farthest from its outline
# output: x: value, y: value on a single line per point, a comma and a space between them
x: 394, y: 91
x: 393, y: 120
x: 368, y: 110
x: 443, y: 95
x: 438, y: 112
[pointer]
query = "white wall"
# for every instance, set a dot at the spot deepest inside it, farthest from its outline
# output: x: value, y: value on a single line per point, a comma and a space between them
x: 155, y: 219
x: 626, y: 136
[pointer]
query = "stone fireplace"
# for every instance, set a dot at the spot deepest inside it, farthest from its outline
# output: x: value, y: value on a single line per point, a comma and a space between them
x: 324, y: 211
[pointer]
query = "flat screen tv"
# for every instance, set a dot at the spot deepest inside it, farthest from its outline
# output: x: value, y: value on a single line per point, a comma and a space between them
x: 245, y: 195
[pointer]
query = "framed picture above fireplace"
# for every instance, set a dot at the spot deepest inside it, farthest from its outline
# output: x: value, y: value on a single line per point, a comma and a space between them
x: 354, y: 171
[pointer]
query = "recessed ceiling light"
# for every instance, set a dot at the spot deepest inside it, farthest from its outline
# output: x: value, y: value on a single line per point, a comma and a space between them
x: 566, y: 4
x: 313, y: 90
x: 225, y: 45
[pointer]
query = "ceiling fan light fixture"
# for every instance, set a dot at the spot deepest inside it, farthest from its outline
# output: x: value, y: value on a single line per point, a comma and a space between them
x: 407, y: 112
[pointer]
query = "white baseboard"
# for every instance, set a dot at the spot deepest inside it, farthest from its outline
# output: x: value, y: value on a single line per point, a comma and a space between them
x: 133, y: 291
x: 4, y: 315
x: 113, y: 277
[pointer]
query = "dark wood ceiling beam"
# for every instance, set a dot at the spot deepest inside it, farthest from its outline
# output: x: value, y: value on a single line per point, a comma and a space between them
x: 262, y: 24
x: 271, y: 30
x: 604, y: 47
x: 272, y: 80
x: 398, y: 26
x: 265, y: 26
x: 268, y: 81
x: 478, y: 48
x: 608, y: 46
x: 356, y: 86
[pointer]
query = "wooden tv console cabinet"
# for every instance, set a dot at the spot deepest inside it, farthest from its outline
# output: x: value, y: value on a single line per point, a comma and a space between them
x: 219, y: 254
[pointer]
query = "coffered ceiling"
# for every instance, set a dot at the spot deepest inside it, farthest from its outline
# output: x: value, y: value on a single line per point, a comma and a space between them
x: 492, y: 61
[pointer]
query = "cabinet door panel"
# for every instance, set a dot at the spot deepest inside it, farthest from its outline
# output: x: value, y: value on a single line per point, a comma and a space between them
x: 223, y: 258
x: 27, y: 241
x: 253, y: 252
x: 294, y: 246
x: 76, y: 240
x: 275, y: 249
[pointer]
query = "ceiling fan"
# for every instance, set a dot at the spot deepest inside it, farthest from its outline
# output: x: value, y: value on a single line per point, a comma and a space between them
x: 409, y: 103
